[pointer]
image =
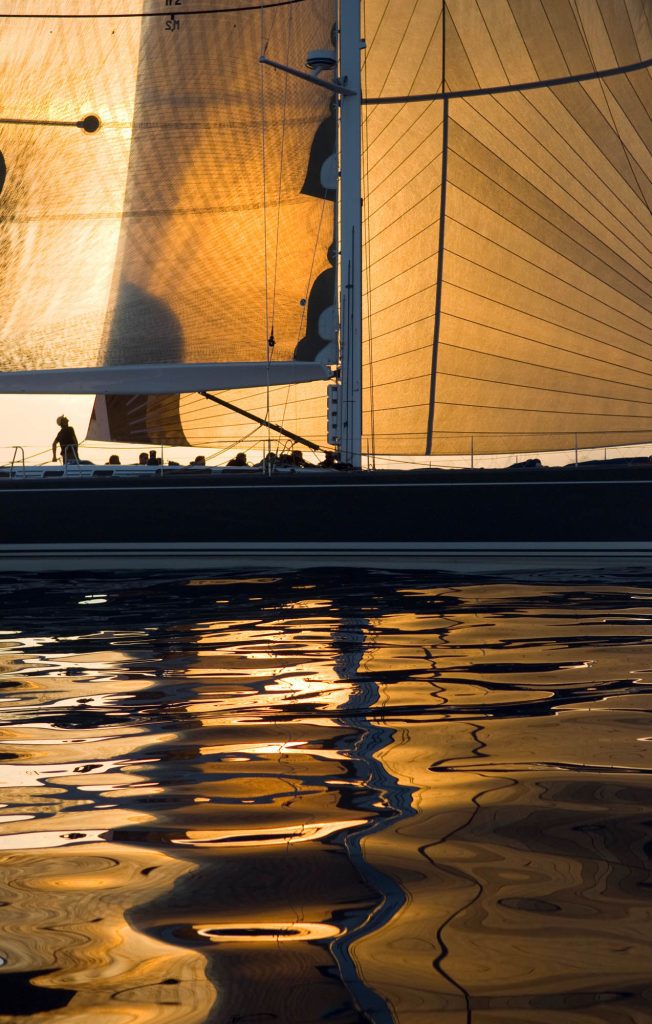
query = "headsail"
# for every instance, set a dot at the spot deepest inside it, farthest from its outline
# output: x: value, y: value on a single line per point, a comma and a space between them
x: 194, y: 224
x: 508, y: 225
x: 63, y: 194
x: 228, y: 217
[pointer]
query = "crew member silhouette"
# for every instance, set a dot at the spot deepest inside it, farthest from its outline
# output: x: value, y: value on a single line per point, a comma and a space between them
x: 67, y: 441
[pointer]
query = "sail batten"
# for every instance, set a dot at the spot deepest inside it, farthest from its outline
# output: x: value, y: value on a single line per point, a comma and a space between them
x: 497, y: 90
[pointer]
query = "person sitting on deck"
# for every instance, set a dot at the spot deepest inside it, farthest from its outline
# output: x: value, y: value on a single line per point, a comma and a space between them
x: 200, y: 460
x: 114, y: 460
x: 143, y: 459
x: 153, y: 459
x: 238, y: 460
x: 67, y: 441
x: 296, y: 459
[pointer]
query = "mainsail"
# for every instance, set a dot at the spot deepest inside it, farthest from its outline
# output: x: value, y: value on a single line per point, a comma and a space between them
x: 507, y: 185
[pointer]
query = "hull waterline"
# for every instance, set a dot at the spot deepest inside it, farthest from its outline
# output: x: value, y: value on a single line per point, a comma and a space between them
x: 91, y: 519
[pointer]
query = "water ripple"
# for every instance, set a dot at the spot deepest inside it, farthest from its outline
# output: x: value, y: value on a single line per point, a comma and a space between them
x: 324, y: 797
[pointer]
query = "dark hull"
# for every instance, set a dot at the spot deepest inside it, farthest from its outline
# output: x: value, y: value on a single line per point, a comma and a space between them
x: 455, y: 519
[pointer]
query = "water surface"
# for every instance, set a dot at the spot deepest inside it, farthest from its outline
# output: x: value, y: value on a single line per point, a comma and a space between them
x: 314, y: 797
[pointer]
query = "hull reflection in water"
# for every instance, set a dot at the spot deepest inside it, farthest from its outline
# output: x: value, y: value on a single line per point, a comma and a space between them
x: 324, y: 798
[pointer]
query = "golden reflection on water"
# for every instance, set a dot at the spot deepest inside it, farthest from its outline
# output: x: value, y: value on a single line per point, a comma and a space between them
x: 382, y: 802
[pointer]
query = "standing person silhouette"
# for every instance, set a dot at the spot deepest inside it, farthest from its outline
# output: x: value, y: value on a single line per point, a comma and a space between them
x: 67, y: 441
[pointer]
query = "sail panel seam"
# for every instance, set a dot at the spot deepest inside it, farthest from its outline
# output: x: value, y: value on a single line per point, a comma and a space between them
x: 538, y: 267
x: 575, y: 152
x: 542, y: 294
x: 554, y: 323
x: 492, y: 125
x: 528, y: 363
x: 627, y: 280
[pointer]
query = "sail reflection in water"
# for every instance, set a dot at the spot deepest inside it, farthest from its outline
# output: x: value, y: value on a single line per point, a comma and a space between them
x: 317, y: 798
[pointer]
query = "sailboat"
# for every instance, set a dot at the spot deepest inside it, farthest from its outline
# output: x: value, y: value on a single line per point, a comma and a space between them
x: 398, y: 230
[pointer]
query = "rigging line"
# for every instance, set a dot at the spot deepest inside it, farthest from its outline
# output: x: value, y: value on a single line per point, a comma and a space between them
x: 280, y: 180
x: 234, y: 444
x: 539, y: 113
x: 252, y: 416
x: 551, y: 224
x: 264, y: 170
x: 150, y: 14
x: 366, y: 217
x: 304, y: 308
x: 548, y: 83
x: 419, y: 144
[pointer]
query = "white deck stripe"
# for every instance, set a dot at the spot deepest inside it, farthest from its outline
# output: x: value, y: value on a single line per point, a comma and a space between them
x: 12, y: 486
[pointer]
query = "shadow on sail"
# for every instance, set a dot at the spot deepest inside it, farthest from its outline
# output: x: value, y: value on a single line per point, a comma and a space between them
x: 144, y: 329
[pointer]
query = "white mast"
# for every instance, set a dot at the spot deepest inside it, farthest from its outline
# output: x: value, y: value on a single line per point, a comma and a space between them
x: 350, y: 200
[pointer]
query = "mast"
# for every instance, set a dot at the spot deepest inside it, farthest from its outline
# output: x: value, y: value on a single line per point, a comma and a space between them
x: 350, y: 201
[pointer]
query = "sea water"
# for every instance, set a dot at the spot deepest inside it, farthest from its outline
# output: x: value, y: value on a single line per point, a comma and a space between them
x: 325, y: 797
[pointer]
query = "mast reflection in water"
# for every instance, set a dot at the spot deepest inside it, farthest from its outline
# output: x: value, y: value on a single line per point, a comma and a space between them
x: 324, y: 798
